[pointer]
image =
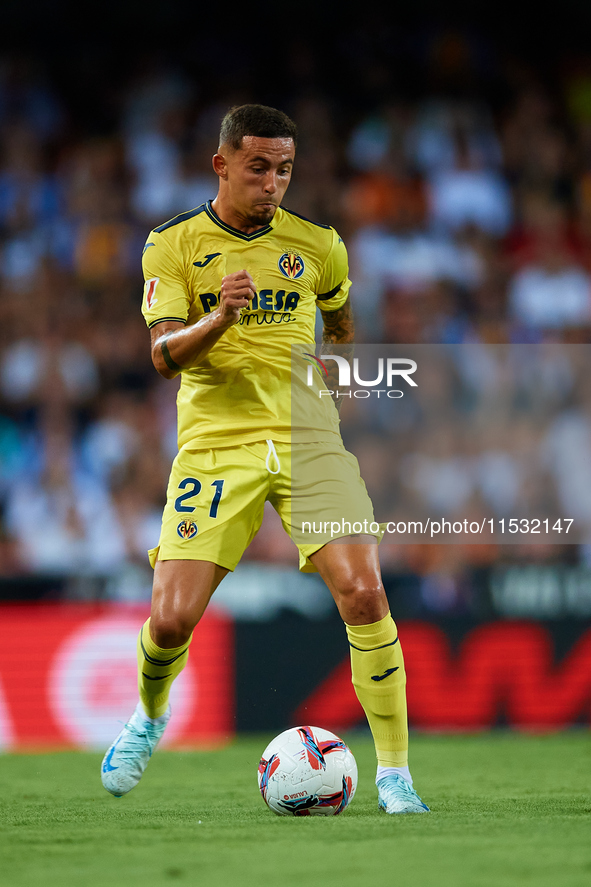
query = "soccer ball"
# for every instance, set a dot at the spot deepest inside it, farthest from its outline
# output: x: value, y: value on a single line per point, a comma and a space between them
x: 307, y: 771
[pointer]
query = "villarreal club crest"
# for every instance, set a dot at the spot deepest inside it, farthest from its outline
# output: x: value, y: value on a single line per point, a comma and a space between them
x: 187, y: 529
x: 291, y: 265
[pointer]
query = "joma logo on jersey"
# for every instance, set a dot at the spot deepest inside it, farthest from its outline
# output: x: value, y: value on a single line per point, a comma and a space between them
x: 208, y: 258
x: 266, y: 300
x: 291, y: 265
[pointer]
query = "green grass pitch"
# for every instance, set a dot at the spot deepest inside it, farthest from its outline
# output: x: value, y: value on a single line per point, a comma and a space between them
x: 506, y: 810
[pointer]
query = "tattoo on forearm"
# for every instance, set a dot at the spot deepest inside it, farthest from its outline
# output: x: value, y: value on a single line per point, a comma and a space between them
x: 170, y: 363
x: 339, y: 326
x: 339, y: 329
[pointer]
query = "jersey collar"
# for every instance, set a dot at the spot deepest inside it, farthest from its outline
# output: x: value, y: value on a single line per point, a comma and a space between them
x: 216, y: 219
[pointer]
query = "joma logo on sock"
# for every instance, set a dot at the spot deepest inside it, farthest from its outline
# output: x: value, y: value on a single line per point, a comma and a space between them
x: 387, y: 673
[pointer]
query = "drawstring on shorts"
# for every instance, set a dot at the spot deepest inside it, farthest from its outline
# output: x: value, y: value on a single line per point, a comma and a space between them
x: 272, y: 453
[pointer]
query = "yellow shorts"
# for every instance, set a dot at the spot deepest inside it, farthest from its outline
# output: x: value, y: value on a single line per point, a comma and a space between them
x: 215, y: 500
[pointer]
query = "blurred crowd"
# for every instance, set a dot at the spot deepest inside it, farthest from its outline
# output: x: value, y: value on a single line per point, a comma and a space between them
x: 494, y: 436
x: 467, y: 219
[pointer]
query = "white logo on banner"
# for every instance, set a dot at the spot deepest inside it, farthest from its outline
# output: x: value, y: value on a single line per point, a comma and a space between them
x: 93, y: 684
x: 6, y: 734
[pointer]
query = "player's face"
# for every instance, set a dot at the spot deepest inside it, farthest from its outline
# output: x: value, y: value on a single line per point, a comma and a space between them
x: 257, y: 176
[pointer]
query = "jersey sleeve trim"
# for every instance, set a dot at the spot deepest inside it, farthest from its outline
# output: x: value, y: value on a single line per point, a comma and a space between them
x: 323, y: 297
x: 152, y: 323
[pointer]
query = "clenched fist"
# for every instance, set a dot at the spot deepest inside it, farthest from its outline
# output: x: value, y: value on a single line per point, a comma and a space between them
x: 237, y: 292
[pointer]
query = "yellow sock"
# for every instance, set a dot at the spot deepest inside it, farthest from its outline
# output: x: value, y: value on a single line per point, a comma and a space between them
x: 157, y: 669
x: 379, y: 678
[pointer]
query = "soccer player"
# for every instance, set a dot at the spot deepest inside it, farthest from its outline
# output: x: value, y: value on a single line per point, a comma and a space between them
x: 230, y: 286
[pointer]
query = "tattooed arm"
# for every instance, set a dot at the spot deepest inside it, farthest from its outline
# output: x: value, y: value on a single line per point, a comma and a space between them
x: 175, y: 345
x: 339, y: 330
x: 339, y: 327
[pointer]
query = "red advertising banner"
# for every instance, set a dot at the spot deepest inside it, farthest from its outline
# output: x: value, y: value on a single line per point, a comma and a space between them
x: 68, y: 677
x: 503, y: 671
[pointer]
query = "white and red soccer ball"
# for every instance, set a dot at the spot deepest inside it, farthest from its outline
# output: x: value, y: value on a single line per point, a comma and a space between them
x: 307, y: 771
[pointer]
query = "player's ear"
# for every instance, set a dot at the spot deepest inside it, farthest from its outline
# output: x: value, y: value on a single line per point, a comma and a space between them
x: 220, y: 166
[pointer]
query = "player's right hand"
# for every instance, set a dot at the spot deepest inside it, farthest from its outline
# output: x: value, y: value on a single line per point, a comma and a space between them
x: 238, y: 290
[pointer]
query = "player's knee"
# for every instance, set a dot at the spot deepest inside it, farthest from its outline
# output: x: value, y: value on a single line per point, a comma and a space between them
x: 358, y: 599
x: 170, y: 631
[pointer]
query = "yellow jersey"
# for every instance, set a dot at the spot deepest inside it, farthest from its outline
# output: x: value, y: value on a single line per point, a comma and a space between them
x: 240, y: 392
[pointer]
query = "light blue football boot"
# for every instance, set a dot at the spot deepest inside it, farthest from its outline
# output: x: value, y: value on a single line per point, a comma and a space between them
x: 126, y: 760
x: 396, y: 795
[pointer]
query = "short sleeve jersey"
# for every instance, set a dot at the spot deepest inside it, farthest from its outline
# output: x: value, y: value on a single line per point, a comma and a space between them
x: 241, y: 391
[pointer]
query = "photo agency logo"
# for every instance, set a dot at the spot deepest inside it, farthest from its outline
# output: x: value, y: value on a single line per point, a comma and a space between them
x: 390, y: 372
